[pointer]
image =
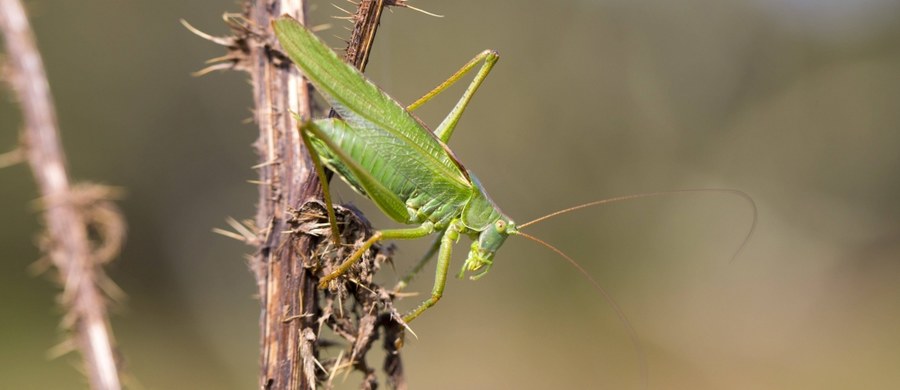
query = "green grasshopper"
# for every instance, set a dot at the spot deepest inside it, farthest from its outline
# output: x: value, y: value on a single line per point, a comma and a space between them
x: 387, y: 154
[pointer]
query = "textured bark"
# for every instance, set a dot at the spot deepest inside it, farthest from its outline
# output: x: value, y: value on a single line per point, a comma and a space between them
x: 286, y: 288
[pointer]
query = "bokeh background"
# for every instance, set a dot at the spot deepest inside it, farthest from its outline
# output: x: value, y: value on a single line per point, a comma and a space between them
x: 792, y: 101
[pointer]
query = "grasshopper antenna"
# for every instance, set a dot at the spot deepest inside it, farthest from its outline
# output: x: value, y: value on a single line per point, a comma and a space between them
x: 632, y: 334
x: 741, y: 194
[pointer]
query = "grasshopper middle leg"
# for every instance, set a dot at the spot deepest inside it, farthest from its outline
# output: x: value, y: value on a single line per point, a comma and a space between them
x: 396, y: 234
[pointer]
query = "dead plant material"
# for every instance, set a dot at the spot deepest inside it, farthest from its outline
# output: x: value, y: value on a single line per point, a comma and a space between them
x: 354, y: 309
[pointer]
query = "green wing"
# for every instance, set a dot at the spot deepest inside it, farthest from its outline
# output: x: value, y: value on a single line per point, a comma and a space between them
x: 357, y: 176
x: 361, y: 103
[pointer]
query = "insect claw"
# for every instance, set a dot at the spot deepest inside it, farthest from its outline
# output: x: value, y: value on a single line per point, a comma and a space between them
x: 481, y: 274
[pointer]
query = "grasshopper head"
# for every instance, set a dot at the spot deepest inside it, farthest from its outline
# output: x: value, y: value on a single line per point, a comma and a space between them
x: 481, y: 255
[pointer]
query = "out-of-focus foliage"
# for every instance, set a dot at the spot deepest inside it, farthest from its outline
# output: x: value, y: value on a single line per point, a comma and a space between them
x: 794, y: 102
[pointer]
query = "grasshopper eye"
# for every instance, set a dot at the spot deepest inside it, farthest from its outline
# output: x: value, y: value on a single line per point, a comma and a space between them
x: 501, y: 226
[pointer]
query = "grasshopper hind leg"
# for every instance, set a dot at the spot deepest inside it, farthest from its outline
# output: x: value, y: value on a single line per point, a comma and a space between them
x: 487, y: 59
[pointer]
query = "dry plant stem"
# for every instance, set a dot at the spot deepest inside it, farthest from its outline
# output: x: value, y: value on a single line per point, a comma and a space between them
x: 284, y: 270
x: 69, y: 249
x: 287, y: 288
x: 366, y: 21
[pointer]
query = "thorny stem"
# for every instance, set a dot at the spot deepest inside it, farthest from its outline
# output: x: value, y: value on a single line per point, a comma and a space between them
x: 285, y: 270
x: 69, y: 247
x: 286, y: 287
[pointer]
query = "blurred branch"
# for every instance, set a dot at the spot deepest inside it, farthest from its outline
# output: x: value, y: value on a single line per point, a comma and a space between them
x: 69, y: 212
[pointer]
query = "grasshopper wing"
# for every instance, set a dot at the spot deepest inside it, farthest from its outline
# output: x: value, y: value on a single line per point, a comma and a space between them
x: 359, y: 178
x: 361, y: 103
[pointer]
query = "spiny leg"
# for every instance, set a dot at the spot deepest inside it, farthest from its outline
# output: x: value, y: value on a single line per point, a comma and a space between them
x: 440, y: 274
x: 445, y: 129
x: 305, y: 128
x: 396, y: 234
x: 421, y: 264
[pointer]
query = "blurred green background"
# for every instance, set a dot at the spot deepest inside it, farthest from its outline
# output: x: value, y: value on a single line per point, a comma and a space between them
x: 793, y: 101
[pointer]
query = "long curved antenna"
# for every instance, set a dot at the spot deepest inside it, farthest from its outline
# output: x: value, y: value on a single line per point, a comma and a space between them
x: 632, y: 334
x: 739, y: 193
